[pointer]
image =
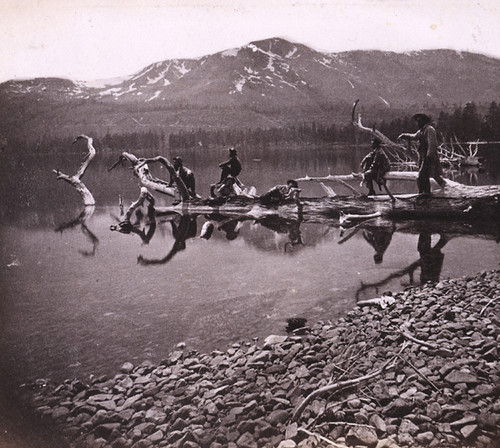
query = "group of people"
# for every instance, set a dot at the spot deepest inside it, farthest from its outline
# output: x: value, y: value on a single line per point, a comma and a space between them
x: 229, y: 183
x: 376, y: 164
x: 374, y: 167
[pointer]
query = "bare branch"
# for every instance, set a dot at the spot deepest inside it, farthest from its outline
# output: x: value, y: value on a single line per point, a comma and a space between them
x: 75, y: 180
x: 340, y: 385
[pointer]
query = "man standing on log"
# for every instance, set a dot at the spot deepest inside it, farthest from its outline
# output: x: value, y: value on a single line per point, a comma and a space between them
x: 428, y: 157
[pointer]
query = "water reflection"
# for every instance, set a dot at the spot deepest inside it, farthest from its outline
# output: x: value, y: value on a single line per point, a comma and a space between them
x: 81, y: 221
x: 64, y: 315
x: 431, y: 256
x: 184, y: 227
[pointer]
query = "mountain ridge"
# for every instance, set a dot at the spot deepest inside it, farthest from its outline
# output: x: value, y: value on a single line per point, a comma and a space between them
x: 270, y: 80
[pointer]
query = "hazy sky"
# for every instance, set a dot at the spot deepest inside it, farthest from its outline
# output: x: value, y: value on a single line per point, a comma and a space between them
x: 94, y: 39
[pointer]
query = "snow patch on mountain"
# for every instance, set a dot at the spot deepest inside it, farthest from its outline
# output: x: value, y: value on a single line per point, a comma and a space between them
x: 110, y: 91
x: 291, y: 53
x: 238, y: 86
x: 182, y: 69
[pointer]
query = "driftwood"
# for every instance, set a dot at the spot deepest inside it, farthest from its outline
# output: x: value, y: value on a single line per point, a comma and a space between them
x: 76, y: 179
x: 386, y: 141
x: 340, y: 385
x: 451, y: 154
x: 142, y: 171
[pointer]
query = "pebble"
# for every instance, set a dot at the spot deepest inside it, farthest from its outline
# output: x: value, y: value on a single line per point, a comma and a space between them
x: 441, y: 389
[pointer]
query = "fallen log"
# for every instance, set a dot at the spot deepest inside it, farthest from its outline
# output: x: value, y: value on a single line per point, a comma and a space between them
x: 483, y: 204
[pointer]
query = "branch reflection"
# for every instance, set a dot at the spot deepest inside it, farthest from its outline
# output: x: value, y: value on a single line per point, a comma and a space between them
x: 81, y: 220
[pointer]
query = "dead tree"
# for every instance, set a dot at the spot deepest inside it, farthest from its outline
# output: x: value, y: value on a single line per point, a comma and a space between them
x: 142, y: 171
x: 76, y: 179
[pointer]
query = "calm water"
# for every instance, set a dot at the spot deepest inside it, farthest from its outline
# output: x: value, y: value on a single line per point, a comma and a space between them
x: 81, y: 299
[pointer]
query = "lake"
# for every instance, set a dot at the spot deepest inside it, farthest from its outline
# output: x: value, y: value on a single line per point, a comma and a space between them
x: 82, y: 299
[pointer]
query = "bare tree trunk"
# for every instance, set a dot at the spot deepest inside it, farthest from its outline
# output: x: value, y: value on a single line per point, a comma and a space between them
x: 141, y: 170
x: 75, y: 180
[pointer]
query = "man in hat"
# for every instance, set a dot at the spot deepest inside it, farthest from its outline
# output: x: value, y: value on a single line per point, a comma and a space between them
x: 229, y: 182
x: 428, y: 157
x: 231, y: 167
x: 186, y: 175
x: 281, y: 193
x: 374, y: 166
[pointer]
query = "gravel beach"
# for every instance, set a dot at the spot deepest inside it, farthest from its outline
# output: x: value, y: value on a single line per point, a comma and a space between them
x: 414, y: 369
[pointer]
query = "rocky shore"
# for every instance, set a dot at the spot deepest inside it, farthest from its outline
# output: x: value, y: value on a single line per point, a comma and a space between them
x: 415, y: 369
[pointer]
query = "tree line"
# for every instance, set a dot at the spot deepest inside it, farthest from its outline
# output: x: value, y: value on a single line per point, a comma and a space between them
x: 465, y: 123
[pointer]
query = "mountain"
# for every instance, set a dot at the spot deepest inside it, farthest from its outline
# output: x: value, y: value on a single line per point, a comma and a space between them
x: 261, y: 84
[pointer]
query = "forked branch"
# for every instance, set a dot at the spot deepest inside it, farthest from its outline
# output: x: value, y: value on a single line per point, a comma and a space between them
x: 75, y: 180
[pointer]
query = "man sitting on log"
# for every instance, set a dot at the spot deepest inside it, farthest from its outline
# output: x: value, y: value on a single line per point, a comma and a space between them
x: 231, y: 167
x: 374, y: 166
x: 186, y: 175
x: 229, y: 182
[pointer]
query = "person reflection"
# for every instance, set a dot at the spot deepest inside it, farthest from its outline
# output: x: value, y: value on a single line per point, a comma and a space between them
x: 431, y: 258
x: 291, y: 227
x: 229, y: 225
x: 379, y: 237
x: 81, y: 220
x: 184, y: 227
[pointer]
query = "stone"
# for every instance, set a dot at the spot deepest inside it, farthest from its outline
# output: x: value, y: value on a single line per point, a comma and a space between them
x: 156, y: 416
x: 60, y: 413
x: 405, y: 439
x: 425, y: 438
x: 398, y: 408
x: 468, y: 430
x: 274, y: 339
x: 407, y: 426
x: 292, y: 430
x: 156, y: 437
x: 457, y: 377
x: 246, y: 440
x: 278, y: 416
x: 127, y: 367
x: 362, y: 435
x: 378, y: 423
x: 434, y: 411
x: 287, y: 443
x: 179, y: 425
x: 104, y: 431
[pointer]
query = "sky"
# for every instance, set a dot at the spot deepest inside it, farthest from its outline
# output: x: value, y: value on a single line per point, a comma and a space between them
x: 99, y: 39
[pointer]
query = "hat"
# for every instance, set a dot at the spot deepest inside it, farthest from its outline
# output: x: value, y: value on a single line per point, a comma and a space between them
x: 178, y: 159
x: 423, y: 117
x: 232, y: 151
x: 376, y: 141
x: 293, y: 183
